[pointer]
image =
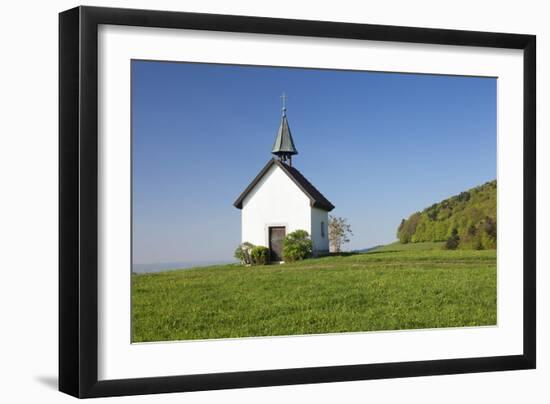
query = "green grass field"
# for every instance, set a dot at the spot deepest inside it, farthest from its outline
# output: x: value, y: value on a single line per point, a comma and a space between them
x: 390, y: 288
x: 397, y: 246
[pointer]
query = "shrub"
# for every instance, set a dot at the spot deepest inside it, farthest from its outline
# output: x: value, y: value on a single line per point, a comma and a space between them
x: 297, y: 246
x: 259, y: 255
x: 479, y: 245
x: 453, y: 241
x: 242, y: 252
x: 491, y: 228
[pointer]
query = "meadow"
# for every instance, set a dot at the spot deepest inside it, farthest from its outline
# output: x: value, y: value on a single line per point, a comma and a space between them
x: 394, y: 287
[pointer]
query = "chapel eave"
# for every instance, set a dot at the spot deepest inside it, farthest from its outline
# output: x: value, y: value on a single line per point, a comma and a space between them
x: 317, y: 199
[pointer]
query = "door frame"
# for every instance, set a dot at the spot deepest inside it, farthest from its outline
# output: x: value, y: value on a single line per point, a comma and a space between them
x: 267, y: 231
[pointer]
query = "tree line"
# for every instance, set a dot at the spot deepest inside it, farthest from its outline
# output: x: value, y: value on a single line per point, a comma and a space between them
x: 466, y: 221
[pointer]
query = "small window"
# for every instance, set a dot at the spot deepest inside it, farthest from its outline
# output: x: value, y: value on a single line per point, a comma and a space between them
x: 323, y: 229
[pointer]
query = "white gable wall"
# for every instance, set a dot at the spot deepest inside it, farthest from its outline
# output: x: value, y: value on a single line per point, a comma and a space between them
x: 275, y: 201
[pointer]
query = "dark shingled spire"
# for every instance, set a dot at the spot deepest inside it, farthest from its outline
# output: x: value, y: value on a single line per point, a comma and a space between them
x: 284, y: 144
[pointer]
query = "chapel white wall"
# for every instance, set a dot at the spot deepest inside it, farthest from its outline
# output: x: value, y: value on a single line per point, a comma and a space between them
x: 275, y: 201
x: 320, y: 239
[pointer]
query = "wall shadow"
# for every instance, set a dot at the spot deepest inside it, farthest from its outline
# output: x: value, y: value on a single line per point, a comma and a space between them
x: 48, y: 381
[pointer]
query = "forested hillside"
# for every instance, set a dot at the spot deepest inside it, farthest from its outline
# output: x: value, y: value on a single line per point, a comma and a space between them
x: 467, y: 220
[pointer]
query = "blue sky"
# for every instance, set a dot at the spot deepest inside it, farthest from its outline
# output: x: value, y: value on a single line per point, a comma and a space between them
x: 379, y: 146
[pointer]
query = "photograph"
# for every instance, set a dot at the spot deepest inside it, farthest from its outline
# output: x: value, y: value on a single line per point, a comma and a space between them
x: 283, y: 201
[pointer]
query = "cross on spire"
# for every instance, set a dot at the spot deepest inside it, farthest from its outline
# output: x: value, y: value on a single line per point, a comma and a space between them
x: 284, y: 97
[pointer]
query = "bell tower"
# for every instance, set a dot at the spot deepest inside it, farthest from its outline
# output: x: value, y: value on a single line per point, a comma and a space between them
x: 284, y: 147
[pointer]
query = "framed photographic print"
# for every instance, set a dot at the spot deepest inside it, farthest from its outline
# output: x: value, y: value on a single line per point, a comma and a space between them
x: 250, y: 201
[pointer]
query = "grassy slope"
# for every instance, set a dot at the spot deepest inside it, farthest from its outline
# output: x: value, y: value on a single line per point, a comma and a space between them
x: 398, y: 246
x: 380, y: 290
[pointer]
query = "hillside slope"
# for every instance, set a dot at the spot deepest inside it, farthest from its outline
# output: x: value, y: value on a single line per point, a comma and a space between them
x: 467, y: 220
x: 397, y: 290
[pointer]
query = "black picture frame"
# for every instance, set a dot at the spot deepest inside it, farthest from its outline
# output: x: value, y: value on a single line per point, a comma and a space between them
x: 78, y: 201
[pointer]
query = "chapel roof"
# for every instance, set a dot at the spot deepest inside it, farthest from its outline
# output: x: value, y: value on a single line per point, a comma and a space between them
x: 316, y: 198
x: 284, y: 144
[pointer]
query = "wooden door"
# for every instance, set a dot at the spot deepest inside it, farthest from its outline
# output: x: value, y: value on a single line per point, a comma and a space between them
x: 276, y: 236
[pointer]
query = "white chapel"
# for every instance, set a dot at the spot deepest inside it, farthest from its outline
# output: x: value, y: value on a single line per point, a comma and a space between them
x: 280, y: 200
